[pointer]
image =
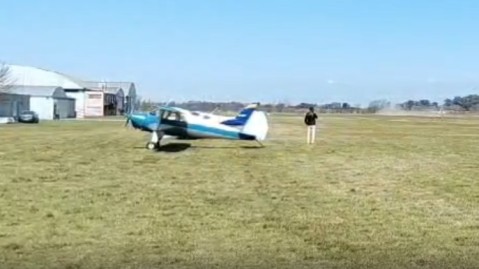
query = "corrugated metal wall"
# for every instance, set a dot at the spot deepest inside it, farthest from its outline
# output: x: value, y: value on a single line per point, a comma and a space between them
x: 12, y: 104
x: 65, y: 108
x: 45, y: 107
x: 94, y: 104
x: 79, y: 103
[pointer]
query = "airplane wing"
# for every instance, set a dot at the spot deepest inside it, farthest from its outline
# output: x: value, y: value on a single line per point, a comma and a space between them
x: 252, y: 105
x: 214, y: 110
x: 168, y: 108
x: 221, y: 118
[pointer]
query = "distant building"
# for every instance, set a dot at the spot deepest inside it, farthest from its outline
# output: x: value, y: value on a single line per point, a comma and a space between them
x: 47, y: 102
x: 92, y: 99
x: 12, y: 104
x: 118, y: 96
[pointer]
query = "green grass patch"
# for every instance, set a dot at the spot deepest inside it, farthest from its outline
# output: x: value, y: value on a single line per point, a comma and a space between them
x: 373, y: 192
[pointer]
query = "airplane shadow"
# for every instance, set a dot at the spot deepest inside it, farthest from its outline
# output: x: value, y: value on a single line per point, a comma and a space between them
x: 179, y: 147
x: 172, y: 147
x: 226, y: 147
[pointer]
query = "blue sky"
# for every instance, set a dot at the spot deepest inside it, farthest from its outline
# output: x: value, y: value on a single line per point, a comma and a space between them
x: 254, y: 50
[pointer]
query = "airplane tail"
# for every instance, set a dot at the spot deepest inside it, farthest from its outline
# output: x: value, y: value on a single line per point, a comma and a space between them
x: 256, y: 125
x: 242, y: 117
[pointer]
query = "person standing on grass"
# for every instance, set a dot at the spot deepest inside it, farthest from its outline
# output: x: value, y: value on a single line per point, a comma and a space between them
x: 310, y: 121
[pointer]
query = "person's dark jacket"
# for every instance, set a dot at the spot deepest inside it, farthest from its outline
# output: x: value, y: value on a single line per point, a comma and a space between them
x: 310, y: 118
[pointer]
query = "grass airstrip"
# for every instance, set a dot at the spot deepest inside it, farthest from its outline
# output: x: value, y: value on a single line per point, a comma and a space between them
x: 373, y: 192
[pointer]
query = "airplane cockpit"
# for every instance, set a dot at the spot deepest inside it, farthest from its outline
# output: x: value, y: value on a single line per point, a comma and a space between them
x: 171, y: 115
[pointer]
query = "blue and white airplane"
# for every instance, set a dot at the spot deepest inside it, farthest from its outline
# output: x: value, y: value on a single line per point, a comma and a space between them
x: 147, y: 122
x: 173, y: 122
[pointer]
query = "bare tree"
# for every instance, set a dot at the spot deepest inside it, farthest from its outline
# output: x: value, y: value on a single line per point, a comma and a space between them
x: 5, y: 79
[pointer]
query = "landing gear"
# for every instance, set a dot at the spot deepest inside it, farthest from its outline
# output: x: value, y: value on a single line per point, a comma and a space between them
x: 153, y: 146
x: 154, y: 143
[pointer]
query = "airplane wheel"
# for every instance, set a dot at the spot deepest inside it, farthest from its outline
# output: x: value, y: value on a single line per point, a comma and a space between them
x: 152, y: 146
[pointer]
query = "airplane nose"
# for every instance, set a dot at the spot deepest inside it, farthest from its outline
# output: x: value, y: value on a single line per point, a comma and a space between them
x: 134, y: 120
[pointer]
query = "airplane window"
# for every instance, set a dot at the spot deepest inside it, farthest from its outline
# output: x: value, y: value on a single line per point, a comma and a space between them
x: 174, y: 116
x: 169, y: 115
x: 166, y: 115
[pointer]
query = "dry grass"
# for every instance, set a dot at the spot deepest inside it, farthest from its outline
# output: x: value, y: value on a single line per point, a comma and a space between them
x: 374, y: 192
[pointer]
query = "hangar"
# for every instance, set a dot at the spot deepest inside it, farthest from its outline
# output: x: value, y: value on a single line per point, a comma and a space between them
x: 92, y: 99
x: 117, y: 96
x: 48, y: 102
x: 11, y: 105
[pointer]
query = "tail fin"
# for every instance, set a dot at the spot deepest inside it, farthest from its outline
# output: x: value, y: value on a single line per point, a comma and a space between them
x: 256, y: 125
x: 242, y: 117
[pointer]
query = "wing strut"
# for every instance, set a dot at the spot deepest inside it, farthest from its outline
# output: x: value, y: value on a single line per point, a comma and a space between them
x: 259, y: 143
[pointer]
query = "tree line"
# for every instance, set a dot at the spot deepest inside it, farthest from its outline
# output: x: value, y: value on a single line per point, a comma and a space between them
x: 458, y: 103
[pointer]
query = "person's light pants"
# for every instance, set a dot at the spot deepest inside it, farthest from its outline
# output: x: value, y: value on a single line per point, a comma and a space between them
x: 311, y: 134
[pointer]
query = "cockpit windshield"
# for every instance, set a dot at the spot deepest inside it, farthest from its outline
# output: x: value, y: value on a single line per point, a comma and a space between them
x: 171, y: 115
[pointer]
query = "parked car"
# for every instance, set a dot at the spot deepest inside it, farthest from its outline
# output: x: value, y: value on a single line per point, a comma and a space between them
x: 28, y: 117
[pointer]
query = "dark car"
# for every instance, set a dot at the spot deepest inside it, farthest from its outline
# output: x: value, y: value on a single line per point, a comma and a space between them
x: 28, y: 117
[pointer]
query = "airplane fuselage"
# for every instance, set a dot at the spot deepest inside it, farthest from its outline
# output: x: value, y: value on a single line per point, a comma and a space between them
x: 192, y: 130
x: 200, y: 124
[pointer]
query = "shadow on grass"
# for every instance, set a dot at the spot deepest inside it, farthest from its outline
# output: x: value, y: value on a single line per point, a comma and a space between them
x: 227, y: 147
x: 179, y: 147
x: 174, y: 147
x: 171, y: 147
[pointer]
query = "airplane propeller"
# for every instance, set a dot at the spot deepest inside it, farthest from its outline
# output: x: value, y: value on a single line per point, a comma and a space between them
x: 131, y: 110
x: 127, y: 120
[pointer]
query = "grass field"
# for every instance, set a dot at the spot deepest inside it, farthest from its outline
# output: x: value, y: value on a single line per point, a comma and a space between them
x: 374, y: 192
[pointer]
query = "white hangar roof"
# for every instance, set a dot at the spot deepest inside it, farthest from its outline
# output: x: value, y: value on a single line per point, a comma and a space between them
x: 112, y: 87
x: 34, y: 76
x: 21, y: 75
x: 43, y: 91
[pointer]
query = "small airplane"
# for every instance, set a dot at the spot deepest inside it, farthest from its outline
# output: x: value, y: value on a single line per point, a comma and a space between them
x: 148, y: 122
x: 173, y: 122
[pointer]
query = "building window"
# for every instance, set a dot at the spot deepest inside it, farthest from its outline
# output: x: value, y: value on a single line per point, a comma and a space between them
x: 94, y: 96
